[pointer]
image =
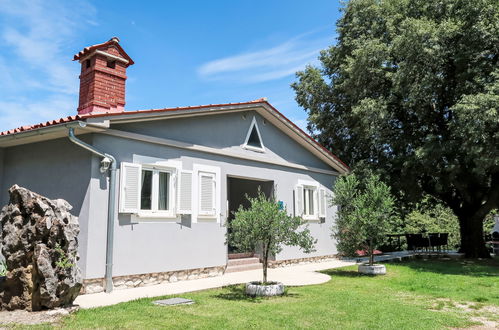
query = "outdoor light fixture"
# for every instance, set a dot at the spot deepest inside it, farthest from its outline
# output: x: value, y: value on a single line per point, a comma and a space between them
x: 104, y: 164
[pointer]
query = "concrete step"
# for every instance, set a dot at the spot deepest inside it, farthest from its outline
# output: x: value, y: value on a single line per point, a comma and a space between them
x: 242, y: 268
x: 243, y: 261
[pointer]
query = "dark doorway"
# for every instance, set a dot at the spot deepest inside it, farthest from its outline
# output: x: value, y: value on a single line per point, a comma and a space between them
x: 237, y: 189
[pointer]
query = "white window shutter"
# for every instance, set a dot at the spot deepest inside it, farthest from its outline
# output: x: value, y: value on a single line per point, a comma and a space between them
x: 299, y: 200
x: 322, y: 203
x: 130, y: 178
x: 185, y: 192
x: 207, y: 194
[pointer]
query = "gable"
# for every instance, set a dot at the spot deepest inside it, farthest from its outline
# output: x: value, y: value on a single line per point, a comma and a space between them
x: 229, y: 132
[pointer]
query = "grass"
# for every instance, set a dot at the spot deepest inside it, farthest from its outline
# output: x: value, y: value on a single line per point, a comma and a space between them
x: 414, y: 295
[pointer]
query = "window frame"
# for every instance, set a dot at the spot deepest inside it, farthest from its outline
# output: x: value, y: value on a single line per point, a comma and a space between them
x: 198, y: 216
x: 312, y: 189
x: 213, y: 213
x: 253, y: 124
x: 316, y: 187
x: 154, y: 212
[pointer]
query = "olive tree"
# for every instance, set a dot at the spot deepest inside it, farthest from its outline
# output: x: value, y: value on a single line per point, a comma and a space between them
x: 267, y: 227
x: 365, y: 214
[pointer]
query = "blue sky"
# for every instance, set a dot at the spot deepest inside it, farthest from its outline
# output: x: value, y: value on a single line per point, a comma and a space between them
x: 185, y: 52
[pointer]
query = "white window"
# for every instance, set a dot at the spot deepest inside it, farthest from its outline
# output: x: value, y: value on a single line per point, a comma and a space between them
x: 207, y: 193
x: 148, y: 190
x: 156, y: 191
x: 310, y: 200
x: 253, y: 138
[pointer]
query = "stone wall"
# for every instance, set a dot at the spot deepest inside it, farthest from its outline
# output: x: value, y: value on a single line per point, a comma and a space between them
x: 133, y: 281
x: 300, y: 261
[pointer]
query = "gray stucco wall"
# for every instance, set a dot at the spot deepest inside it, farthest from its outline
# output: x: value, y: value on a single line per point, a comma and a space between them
x: 147, y: 247
x: 55, y: 169
x: 228, y: 132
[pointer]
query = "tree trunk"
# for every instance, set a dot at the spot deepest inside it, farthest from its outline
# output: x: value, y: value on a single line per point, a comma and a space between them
x: 472, y: 242
x: 371, y: 253
x: 265, y: 263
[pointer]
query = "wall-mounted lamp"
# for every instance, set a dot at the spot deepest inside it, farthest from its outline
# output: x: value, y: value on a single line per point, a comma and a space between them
x: 104, y: 164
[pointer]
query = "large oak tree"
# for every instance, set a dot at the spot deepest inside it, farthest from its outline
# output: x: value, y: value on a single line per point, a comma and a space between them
x: 411, y: 90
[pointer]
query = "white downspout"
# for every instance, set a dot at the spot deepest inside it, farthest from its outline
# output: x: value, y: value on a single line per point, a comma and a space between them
x: 111, y: 209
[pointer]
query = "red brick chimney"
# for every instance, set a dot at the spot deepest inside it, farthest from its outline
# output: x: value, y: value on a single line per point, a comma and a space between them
x: 102, y: 77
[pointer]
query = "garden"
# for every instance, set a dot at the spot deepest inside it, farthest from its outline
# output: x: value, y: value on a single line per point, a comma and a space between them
x: 416, y: 294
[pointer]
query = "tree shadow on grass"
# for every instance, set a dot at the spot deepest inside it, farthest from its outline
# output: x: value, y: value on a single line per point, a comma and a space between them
x: 237, y: 293
x: 345, y: 273
x: 468, y: 267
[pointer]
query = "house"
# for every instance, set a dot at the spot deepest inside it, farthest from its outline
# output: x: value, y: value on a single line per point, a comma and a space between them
x: 154, y: 188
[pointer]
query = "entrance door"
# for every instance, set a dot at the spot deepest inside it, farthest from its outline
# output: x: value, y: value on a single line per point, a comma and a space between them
x: 237, y: 189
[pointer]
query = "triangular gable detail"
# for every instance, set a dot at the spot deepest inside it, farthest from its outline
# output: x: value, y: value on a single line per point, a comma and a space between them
x: 254, y: 138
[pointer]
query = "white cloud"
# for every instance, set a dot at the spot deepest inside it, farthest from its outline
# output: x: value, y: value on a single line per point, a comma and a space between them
x: 38, y: 80
x: 268, y: 64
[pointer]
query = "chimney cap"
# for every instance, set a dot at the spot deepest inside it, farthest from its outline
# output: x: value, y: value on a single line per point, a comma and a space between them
x: 89, y: 50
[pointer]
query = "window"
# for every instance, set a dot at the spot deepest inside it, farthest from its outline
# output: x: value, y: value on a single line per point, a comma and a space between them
x: 87, y: 64
x: 156, y: 190
x: 147, y: 190
x: 111, y: 64
x: 310, y: 200
x: 253, y: 138
x: 207, y: 194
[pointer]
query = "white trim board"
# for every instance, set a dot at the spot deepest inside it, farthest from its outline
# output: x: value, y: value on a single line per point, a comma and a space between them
x: 210, y: 150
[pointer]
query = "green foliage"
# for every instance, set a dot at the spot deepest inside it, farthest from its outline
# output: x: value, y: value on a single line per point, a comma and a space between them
x: 3, y: 268
x: 63, y: 260
x: 433, y: 218
x: 267, y: 228
x: 365, y: 214
x: 489, y: 222
x: 411, y: 91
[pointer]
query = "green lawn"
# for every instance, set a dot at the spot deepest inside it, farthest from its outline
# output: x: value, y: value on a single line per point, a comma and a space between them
x: 414, y: 295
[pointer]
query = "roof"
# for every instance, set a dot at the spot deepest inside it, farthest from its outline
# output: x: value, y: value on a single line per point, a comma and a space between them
x: 114, y: 41
x: 110, y: 115
x: 41, y: 125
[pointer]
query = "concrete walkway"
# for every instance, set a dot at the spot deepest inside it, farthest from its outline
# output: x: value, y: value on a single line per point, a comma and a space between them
x: 291, y: 275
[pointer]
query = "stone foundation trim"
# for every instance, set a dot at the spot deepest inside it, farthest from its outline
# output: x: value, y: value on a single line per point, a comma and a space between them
x: 301, y: 261
x: 132, y: 281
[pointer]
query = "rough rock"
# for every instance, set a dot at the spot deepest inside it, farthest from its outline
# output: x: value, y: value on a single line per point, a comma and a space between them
x: 39, y: 240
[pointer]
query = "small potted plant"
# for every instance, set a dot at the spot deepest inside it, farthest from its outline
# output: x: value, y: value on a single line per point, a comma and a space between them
x: 365, y: 217
x: 266, y: 227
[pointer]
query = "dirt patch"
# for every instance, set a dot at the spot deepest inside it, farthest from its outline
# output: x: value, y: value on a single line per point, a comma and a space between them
x: 9, y: 318
x: 477, y: 312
